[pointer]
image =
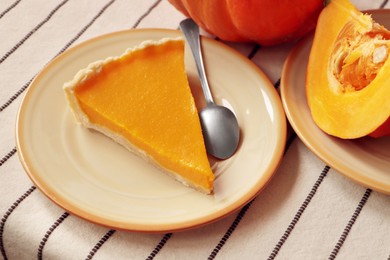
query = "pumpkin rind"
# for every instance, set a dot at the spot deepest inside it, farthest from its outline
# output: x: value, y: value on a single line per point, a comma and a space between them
x: 345, y: 114
x: 263, y: 21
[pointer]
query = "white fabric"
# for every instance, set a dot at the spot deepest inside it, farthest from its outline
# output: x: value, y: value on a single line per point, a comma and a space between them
x: 314, y: 235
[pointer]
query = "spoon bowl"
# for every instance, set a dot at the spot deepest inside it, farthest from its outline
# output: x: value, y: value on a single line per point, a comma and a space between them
x: 220, y: 130
x: 220, y: 127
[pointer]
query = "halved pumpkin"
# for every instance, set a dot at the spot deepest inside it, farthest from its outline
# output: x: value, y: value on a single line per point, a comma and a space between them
x: 348, y: 75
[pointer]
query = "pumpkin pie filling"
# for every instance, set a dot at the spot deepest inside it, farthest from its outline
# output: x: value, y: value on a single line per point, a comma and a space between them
x: 143, y: 101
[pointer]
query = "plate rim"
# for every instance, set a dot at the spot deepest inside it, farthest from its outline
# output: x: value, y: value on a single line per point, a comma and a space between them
x: 154, y: 228
x: 348, y: 172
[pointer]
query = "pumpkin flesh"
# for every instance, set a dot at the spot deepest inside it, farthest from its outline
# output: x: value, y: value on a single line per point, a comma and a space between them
x: 348, y: 74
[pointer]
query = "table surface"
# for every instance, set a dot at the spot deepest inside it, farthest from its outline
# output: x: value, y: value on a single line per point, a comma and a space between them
x: 307, y: 211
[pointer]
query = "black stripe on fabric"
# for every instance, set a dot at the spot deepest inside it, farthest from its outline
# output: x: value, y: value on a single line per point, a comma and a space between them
x: 298, y: 215
x: 348, y: 227
x: 290, y: 140
x: 6, y: 216
x: 16, y: 95
x: 49, y: 232
x: 85, y: 28
x: 75, y: 38
x: 253, y: 52
x: 139, y: 20
x: 277, y: 84
x: 230, y: 231
x: 7, y: 156
x: 12, y: 6
x: 159, y: 246
x: 35, y: 29
x: 383, y: 4
x: 100, y: 243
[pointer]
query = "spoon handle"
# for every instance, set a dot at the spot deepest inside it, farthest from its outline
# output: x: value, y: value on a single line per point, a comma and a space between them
x: 191, y: 33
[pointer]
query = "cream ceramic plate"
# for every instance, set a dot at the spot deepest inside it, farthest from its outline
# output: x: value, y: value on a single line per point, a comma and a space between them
x: 365, y: 160
x: 92, y: 177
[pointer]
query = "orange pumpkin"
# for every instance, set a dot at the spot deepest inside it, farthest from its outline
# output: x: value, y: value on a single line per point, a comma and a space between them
x: 348, y: 75
x: 266, y: 22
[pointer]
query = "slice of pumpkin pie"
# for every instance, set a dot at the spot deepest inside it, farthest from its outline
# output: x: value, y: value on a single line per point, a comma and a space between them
x: 143, y: 101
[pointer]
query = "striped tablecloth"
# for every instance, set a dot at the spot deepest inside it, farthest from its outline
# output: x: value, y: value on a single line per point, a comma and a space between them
x: 308, y: 210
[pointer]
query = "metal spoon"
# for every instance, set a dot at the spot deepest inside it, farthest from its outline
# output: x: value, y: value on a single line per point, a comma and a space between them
x: 219, y: 125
